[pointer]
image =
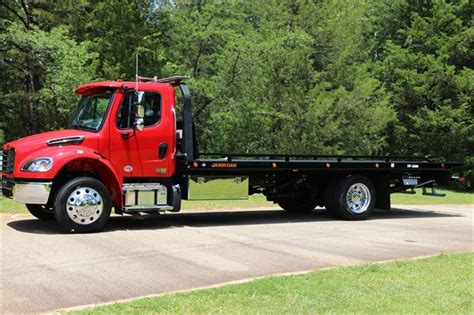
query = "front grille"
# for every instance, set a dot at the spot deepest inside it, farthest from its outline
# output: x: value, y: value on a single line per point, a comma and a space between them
x: 8, y: 161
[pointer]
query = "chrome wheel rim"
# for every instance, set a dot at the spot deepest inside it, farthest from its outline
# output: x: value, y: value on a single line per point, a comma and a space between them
x: 358, y: 198
x: 84, y: 205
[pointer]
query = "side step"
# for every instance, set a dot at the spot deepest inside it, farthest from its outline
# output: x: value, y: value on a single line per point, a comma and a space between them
x: 154, y: 208
x: 151, y: 197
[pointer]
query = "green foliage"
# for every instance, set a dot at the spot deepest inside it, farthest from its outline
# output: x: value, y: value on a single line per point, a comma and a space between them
x: 55, y: 64
x: 359, y: 77
x: 277, y: 81
x: 435, y: 285
x: 426, y: 64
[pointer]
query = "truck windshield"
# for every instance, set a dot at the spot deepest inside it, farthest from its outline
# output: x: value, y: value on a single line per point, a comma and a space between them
x: 91, y: 111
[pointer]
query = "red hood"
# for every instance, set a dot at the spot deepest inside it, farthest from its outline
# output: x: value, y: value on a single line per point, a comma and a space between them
x: 38, y: 141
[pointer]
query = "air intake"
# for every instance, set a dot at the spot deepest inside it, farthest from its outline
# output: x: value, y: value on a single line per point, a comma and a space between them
x: 65, y: 141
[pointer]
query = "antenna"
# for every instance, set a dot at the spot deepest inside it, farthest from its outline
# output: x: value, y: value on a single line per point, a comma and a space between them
x: 136, y: 72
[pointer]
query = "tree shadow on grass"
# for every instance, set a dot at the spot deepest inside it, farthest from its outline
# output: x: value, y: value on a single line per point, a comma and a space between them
x: 218, y: 218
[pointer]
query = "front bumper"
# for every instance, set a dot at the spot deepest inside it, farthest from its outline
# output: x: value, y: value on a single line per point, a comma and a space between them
x: 25, y: 191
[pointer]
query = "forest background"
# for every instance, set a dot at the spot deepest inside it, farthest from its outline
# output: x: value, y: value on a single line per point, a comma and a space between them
x: 328, y: 77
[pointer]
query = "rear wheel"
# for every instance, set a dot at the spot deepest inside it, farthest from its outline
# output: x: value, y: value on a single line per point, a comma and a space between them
x: 41, y: 212
x: 82, y: 205
x: 353, y: 198
x: 297, y: 205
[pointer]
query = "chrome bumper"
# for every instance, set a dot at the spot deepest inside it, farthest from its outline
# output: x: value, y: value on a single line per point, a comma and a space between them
x: 26, y: 192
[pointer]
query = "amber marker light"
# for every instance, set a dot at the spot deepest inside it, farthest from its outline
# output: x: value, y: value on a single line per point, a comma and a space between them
x: 328, y: 165
x: 377, y: 165
x: 274, y: 165
x: 195, y: 164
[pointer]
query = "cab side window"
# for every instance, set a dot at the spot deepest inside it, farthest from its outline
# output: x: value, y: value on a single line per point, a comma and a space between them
x: 152, y: 109
x: 152, y: 105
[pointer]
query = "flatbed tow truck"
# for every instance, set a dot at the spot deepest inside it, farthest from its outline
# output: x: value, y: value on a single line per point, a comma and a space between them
x: 125, y: 149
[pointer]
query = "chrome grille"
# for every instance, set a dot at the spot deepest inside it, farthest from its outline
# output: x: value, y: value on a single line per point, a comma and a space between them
x: 8, y: 161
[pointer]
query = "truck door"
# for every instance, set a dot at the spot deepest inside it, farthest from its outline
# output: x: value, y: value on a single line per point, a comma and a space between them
x: 145, y: 153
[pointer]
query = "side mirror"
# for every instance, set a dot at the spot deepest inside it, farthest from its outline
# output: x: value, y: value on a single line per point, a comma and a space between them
x: 139, y: 123
x: 140, y: 111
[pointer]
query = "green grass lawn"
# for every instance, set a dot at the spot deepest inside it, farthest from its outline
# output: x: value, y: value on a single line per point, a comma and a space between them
x: 440, y: 284
x: 8, y: 206
x: 452, y: 197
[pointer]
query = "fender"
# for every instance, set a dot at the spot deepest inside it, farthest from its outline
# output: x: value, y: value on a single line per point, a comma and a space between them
x: 70, y: 159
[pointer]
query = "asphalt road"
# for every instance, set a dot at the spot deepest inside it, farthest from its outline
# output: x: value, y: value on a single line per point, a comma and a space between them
x: 43, y: 270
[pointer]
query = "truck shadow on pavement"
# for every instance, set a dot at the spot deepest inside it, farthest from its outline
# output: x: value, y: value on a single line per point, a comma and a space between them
x: 218, y: 218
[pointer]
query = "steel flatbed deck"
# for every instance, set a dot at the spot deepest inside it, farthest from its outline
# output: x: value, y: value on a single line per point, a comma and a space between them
x: 306, y: 162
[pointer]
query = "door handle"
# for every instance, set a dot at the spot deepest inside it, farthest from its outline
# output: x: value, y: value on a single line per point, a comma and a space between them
x: 162, y: 150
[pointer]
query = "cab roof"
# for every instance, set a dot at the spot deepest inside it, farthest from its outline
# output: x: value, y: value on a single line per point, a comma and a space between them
x: 142, y: 84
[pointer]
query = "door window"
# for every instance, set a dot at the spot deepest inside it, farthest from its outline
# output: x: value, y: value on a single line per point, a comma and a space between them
x: 152, y: 105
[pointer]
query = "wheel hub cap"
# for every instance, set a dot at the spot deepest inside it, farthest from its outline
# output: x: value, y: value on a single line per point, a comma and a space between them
x: 84, y: 205
x: 358, y: 198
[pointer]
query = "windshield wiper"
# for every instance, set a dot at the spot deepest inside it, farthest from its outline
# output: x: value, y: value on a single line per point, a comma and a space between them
x: 77, y: 126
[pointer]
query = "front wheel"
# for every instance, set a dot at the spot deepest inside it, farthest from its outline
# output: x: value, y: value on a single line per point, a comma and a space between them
x: 41, y: 212
x: 353, y: 198
x: 82, y: 205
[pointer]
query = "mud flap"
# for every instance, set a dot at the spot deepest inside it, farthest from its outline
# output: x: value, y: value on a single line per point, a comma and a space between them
x: 382, y: 190
x: 174, y: 198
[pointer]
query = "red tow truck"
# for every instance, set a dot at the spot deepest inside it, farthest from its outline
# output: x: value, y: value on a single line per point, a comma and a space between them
x: 127, y: 149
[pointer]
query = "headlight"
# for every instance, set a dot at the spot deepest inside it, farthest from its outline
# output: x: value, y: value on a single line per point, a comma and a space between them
x: 43, y: 164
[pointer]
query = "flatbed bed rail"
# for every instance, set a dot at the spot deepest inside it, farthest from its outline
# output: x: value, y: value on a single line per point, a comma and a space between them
x: 339, y: 158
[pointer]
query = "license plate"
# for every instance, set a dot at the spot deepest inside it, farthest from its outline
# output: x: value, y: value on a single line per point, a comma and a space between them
x: 410, y: 181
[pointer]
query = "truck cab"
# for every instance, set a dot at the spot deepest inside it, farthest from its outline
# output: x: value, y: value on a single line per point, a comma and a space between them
x: 121, y: 139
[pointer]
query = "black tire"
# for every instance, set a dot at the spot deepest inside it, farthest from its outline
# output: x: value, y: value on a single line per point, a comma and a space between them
x: 296, y: 205
x: 41, y: 212
x: 362, y: 186
x: 64, y: 211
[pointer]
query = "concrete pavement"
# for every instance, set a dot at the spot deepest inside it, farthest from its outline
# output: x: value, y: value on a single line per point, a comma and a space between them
x: 43, y: 270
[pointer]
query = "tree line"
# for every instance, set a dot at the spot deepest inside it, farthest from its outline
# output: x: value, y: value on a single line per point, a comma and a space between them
x: 329, y: 77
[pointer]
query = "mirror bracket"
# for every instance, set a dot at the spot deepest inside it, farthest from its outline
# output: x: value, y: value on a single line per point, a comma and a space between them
x: 139, y: 124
